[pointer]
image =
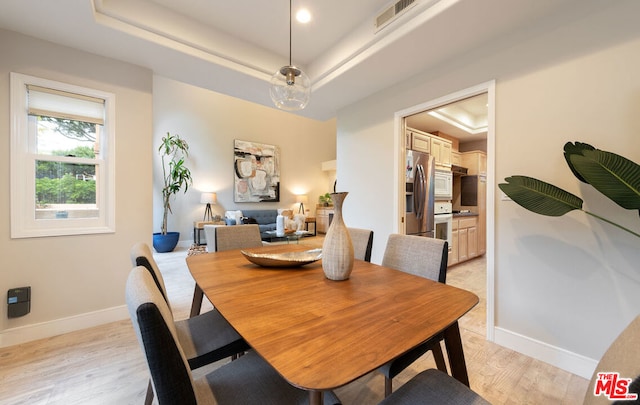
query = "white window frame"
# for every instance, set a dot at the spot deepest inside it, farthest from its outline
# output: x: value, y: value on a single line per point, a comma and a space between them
x: 23, y: 158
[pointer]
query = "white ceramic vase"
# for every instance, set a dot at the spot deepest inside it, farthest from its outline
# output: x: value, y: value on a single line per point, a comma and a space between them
x: 337, y: 249
x: 279, y: 225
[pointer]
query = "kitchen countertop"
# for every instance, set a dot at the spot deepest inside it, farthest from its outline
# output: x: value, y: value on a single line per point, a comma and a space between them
x: 464, y: 214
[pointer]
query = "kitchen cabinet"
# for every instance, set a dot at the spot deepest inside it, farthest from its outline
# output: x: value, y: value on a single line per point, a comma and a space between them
x: 456, y: 158
x: 420, y: 141
x: 476, y: 163
x: 472, y: 242
x: 441, y: 151
x: 463, y: 255
x: 440, y: 148
x: 464, y: 239
x: 453, y: 252
x: 323, y: 215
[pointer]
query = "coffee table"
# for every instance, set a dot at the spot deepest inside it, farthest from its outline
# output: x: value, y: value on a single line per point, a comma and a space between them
x: 289, y: 237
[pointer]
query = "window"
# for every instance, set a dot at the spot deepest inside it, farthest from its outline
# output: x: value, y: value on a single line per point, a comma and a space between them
x: 62, y: 159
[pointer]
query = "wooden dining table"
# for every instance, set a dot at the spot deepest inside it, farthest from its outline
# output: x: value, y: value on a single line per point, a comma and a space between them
x: 321, y: 334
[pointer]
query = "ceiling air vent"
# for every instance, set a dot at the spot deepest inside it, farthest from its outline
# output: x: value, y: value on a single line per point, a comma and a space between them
x: 391, y: 13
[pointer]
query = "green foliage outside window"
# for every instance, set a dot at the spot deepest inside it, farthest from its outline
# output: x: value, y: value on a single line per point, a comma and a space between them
x: 67, y: 183
x: 65, y: 190
x: 84, y: 131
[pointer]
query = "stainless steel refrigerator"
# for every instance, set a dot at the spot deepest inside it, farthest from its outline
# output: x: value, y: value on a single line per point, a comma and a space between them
x: 420, y: 169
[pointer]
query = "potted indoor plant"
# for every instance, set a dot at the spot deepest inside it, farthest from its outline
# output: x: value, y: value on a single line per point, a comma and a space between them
x: 614, y: 176
x: 325, y: 199
x: 176, y: 177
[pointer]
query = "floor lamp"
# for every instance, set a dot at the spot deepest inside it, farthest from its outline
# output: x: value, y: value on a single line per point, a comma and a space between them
x: 301, y: 199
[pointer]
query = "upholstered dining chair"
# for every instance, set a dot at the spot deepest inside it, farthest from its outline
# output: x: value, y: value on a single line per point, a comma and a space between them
x: 210, y: 236
x: 622, y: 357
x: 205, y: 338
x: 424, y: 257
x: 247, y: 380
x: 434, y: 387
x: 228, y: 238
x: 362, y: 240
x: 238, y: 237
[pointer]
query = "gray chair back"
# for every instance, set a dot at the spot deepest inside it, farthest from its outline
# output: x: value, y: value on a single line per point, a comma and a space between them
x: 210, y: 236
x: 228, y: 238
x: 362, y: 243
x: 237, y: 237
x: 141, y: 256
x: 622, y: 357
x: 157, y: 336
x: 248, y: 380
x: 418, y: 255
x: 424, y: 257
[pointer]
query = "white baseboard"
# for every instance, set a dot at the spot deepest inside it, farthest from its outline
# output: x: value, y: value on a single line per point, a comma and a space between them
x: 558, y: 357
x: 186, y: 243
x: 27, y: 333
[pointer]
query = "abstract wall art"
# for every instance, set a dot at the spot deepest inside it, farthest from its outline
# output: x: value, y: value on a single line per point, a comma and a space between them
x: 256, y: 169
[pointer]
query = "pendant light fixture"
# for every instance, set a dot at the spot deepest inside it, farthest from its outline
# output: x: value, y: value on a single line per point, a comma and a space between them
x: 290, y: 87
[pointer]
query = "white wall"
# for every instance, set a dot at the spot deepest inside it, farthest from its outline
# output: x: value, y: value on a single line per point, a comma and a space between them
x: 565, y: 287
x: 572, y: 282
x: 210, y: 122
x: 77, y: 281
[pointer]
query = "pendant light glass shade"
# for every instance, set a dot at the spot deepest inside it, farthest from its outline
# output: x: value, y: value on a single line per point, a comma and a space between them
x: 290, y: 87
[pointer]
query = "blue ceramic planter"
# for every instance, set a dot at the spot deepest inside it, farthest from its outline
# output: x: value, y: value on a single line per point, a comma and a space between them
x: 165, y: 243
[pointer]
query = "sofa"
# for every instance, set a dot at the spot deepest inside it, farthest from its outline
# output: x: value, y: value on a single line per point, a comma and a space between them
x: 266, y: 220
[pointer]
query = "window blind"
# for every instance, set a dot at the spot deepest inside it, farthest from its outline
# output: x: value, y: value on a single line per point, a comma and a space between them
x: 64, y: 105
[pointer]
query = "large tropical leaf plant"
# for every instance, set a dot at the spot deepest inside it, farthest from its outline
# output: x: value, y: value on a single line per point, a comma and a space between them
x: 614, y: 176
x: 176, y: 176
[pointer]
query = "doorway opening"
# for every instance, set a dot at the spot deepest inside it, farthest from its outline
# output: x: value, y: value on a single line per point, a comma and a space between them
x: 464, y: 123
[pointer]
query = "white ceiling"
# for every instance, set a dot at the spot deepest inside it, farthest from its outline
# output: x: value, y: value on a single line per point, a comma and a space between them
x: 465, y: 120
x: 233, y: 47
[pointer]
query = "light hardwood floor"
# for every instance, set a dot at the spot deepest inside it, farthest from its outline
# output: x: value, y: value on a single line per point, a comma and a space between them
x: 104, y: 365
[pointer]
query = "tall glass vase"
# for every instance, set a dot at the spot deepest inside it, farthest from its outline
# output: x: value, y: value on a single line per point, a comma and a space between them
x: 337, y: 249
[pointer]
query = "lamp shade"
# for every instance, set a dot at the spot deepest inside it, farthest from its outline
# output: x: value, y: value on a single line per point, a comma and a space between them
x: 290, y: 88
x: 208, y: 198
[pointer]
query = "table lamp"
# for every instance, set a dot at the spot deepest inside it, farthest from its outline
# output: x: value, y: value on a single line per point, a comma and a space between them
x: 208, y: 198
x: 301, y: 199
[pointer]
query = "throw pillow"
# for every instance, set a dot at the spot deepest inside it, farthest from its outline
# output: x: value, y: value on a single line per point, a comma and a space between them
x: 299, y: 220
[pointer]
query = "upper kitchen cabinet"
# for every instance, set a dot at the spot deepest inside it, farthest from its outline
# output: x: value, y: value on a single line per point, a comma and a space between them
x: 475, y: 162
x: 418, y: 141
x: 440, y: 148
x: 456, y: 158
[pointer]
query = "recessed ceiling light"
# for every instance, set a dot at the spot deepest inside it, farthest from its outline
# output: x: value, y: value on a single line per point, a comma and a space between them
x: 303, y: 16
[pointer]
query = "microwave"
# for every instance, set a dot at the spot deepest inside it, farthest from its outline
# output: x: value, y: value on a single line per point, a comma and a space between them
x: 443, y: 185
